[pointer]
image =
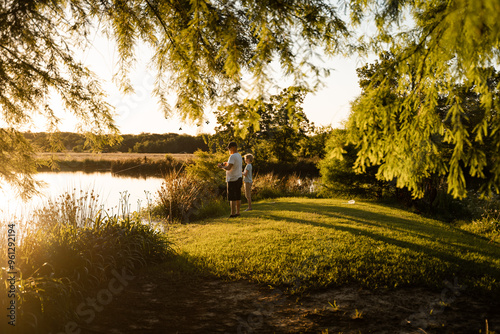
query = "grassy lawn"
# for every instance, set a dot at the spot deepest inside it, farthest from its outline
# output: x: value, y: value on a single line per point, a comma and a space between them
x: 301, y: 244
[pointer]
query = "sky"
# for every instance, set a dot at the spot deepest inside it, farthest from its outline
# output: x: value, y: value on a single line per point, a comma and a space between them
x: 139, y: 112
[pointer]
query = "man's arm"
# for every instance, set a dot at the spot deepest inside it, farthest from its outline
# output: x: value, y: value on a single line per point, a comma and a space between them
x: 226, y: 166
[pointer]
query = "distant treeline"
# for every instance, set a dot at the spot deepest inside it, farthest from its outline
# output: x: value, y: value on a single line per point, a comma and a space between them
x: 142, y: 143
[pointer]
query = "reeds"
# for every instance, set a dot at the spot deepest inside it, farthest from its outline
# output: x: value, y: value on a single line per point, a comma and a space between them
x: 181, y: 196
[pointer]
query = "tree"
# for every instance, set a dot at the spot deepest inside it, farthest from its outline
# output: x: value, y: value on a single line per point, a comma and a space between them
x: 447, y: 43
x: 313, y: 145
x: 282, y: 125
x: 414, y: 148
x: 202, y: 49
x: 338, y: 176
x: 35, y: 60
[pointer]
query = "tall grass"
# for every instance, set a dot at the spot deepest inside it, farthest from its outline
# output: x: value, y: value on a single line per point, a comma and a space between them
x: 182, y: 196
x: 200, y: 192
x: 271, y: 185
x: 71, y: 249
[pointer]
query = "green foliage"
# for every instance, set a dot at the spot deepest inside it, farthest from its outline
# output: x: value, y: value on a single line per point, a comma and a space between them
x: 36, y: 60
x: 271, y: 129
x: 206, y: 47
x: 141, y: 143
x: 338, y: 177
x: 412, y: 143
x: 313, y: 145
x: 271, y: 185
x: 488, y: 227
x: 446, y: 44
x: 201, y: 51
x: 204, y: 50
x: 204, y: 168
x: 17, y: 163
x: 166, y: 143
x: 485, y: 218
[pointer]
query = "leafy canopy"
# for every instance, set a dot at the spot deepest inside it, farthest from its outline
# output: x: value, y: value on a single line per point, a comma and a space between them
x: 398, y: 122
x: 201, y: 50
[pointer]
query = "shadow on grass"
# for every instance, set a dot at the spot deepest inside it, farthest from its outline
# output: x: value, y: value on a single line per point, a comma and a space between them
x: 449, y: 243
x: 423, y: 228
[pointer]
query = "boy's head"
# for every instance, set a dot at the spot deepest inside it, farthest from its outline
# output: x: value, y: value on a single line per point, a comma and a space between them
x: 248, y: 157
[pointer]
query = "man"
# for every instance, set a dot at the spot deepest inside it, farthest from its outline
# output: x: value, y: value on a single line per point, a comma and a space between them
x: 233, y: 169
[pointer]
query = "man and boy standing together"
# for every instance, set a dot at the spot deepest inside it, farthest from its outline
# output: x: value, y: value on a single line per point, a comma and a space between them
x: 235, y: 177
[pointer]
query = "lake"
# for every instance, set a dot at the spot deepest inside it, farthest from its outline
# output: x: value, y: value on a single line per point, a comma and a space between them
x: 109, y: 187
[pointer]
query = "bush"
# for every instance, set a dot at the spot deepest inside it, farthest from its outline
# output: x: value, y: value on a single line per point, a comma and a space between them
x: 485, y: 215
x: 69, y: 250
x: 204, y: 167
x: 486, y: 227
x: 302, y: 167
x: 338, y: 177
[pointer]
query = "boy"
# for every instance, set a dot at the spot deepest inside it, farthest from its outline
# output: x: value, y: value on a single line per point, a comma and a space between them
x: 247, y: 179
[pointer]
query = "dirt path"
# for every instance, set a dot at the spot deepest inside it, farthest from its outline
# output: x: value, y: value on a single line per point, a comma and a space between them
x: 152, y: 303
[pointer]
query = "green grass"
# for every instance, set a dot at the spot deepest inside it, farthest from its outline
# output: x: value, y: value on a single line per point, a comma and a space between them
x: 300, y: 244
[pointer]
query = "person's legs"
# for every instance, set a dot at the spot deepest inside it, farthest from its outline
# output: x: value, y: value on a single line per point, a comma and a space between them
x: 233, y: 207
x: 230, y: 197
x: 248, y: 195
x: 238, y: 195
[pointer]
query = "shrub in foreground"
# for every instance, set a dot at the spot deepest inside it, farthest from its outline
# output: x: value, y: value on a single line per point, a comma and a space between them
x: 60, y: 262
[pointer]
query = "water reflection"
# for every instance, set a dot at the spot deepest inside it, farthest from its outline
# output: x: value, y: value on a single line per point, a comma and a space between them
x: 106, y: 185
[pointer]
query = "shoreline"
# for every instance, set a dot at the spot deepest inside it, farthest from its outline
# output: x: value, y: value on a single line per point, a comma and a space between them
x: 152, y: 164
x: 115, y: 156
x: 140, y: 164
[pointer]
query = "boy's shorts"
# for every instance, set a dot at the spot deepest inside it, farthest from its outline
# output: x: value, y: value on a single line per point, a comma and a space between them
x: 234, y: 190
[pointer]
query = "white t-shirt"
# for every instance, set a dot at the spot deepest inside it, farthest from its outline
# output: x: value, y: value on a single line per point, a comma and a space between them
x: 235, y: 172
x: 248, y: 177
